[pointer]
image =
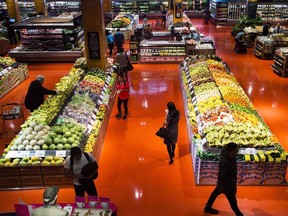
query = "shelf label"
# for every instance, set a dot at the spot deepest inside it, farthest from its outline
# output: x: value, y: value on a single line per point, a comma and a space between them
x: 93, y: 116
x: 89, y: 129
x: 250, y: 151
x: 40, y: 153
x: 204, y: 141
x: 24, y: 154
x: 194, y: 100
x: 109, y: 78
x: 99, y: 101
x: 61, y: 153
x: 106, y: 85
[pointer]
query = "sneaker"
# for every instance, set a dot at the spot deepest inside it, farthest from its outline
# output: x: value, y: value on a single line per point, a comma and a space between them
x: 118, y: 116
x: 210, y: 210
x: 124, y: 117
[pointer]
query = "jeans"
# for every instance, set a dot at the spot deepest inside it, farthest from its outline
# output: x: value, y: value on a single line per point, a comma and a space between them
x: 119, y: 45
x: 125, y: 102
x: 231, y: 198
x: 171, y: 151
x: 88, y: 186
x: 111, y: 46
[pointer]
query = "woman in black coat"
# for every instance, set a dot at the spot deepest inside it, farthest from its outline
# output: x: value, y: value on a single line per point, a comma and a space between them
x: 35, y: 95
x: 171, y: 124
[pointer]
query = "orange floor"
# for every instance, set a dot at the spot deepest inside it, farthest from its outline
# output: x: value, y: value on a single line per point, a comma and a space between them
x: 134, y: 168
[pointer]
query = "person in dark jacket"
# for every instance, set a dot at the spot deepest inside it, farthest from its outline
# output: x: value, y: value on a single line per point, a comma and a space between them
x: 266, y: 29
x: 227, y: 180
x: 119, y: 39
x: 35, y: 95
x: 11, y: 34
x: 171, y: 124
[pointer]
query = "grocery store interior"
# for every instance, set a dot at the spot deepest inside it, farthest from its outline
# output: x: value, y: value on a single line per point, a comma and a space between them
x: 133, y: 163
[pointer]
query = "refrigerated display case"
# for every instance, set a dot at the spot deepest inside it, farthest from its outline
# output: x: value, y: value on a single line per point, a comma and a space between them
x: 55, y: 8
x: 219, y: 11
x: 27, y: 9
x: 49, y: 39
x: 274, y: 12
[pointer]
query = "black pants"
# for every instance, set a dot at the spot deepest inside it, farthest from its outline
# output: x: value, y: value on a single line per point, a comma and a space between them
x: 119, y: 45
x: 12, y: 36
x: 231, y: 198
x: 164, y: 23
x: 111, y: 46
x: 87, y: 186
x: 125, y: 102
x: 171, y: 151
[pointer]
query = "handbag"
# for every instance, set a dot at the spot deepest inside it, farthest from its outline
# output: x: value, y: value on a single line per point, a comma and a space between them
x: 164, y: 133
x: 129, y: 65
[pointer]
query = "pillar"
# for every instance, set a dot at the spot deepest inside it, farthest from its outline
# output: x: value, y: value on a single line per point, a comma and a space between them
x: 40, y: 7
x: 171, y: 5
x: 13, y: 10
x: 94, y: 32
x: 107, y: 5
x: 178, y: 11
x: 251, y: 8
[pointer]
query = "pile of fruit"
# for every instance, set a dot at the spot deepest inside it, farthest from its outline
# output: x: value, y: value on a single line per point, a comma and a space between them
x: 225, y: 112
x: 6, y: 61
x: 122, y: 21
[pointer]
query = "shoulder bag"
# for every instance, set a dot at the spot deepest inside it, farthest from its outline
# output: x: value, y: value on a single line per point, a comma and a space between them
x: 129, y: 65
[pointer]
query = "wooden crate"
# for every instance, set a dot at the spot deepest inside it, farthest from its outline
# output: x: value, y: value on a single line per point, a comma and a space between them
x: 33, y: 180
x: 30, y: 170
x: 10, y: 182
x: 9, y: 171
x: 52, y: 170
x: 54, y: 180
x: 68, y: 181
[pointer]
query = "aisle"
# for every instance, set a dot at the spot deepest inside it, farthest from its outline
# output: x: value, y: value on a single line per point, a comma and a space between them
x: 134, y: 168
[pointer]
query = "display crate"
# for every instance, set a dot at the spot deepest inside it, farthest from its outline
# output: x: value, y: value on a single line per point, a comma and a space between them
x: 30, y: 170
x: 280, y: 62
x: 9, y: 171
x: 54, y: 180
x: 263, y: 51
x: 10, y: 182
x: 52, y: 170
x: 32, y: 181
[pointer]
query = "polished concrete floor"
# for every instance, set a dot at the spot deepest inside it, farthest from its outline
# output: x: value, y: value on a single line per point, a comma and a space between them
x: 134, y: 169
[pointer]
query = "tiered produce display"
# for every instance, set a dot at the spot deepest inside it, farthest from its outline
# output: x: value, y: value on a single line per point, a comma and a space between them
x: 220, y: 112
x: 11, y: 74
x: 73, y: 117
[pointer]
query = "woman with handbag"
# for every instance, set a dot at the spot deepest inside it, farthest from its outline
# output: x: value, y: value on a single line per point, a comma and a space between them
x: 171, y: 124
x: 123, y: 60
x: 123, y: 89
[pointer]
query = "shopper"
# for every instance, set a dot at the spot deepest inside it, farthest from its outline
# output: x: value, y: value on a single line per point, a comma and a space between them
x: 164, y: 12
x: 119, y: 39
x: 145, y: 20
x: 171, y: 123
x: 122, y: 60
x: 35, y: 95
x: 110, y: 42
x: 49, y: 208
x: 123, y: 89
x: 74, y: 167
x: 227, y: 180
x: 266, y: 29
x: 278, y: 29
x: 11, y: 33
x: 206, y: 16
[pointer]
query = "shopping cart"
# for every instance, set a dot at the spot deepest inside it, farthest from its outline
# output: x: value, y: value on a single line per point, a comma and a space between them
x: 13, y: 115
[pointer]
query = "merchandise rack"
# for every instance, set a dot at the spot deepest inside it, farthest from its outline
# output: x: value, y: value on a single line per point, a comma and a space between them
x: 49, y: 39
x: 263, y: 51
x: 35, y: 176
x: 219, y: 12
x: 134, y: 49
x: 206, y: 171
x: 27, y: 9
x: 162, y: 51
x: 55, y: 8
x: 235, y: 10
x: 280, y: 62
x: 274, y: 12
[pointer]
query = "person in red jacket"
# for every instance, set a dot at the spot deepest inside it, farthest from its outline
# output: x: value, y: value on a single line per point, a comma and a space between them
x: 123, y: 89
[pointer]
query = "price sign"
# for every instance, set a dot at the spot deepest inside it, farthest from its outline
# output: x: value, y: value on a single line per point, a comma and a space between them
x: 24, y: 153
x: 96, y: 110
x: 194, y: 100
x: 200, y: 130
x: 89, y: 128
x: 250, y: 151
x: 109, y: 78
x: 204, y: 141
x: 196, y: 109
x: 198, y: 119
x: 61, y: 153
x: 106, y: 85
x: 99, y: 101
x: 101, y: 97
x: 40, y: 153
x: 190, y: 86
x: 93, y: 117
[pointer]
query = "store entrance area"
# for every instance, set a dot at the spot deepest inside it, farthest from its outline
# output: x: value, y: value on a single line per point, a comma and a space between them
x: 134, y: 170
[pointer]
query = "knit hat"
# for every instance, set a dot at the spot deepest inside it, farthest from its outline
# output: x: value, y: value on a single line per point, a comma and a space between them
x: 40, y: 77
x: 50, y: 194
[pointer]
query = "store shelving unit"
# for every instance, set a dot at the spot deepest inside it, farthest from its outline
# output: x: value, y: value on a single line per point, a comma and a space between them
x: 235, y: 10
x: 273, y: 11
x: 56, y: 8
x: 27, y: 9
x: 161, y: 52
x: 3, y: 7
x: 124, y: 6
x: 219, y: 11
x: 49, y: 39
x: 280, y: 62
x: 134, y: 49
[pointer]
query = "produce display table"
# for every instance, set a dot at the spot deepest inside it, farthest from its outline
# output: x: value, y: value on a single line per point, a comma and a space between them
x: 11, y: 74
x: 130, y: 21
x: 218, y: 112
x: 281, y: 62
x: 73, y: 209
x: 77, y: 117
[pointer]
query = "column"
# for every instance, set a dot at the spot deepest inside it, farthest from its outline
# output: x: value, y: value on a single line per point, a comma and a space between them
x: 13, y: 10
x: 107, y: 5
x: 171, y: 5
x: 251, y: 8
x: 178, y: 11
x: 94, y: 32
x: 40, y: 7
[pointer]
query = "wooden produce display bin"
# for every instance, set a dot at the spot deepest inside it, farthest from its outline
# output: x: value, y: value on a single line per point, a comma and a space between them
x: 9, y: 177
x: 31, y: 176
x: 54, y: 180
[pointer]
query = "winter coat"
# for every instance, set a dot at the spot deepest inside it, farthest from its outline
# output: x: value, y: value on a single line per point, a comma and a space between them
x: 35, y: 95
x: 172, y: 120
x: 227, y: 174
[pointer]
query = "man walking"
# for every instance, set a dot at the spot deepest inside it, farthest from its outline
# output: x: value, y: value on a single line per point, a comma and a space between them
x: 119, y: 39
x: 227, y: 180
